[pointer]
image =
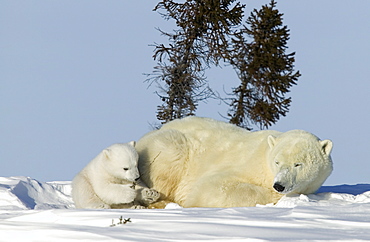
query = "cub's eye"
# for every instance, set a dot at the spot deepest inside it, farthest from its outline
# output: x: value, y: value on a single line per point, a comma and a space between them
x: 297, y: 164
x: 126, y: 169
x: 276, y: 162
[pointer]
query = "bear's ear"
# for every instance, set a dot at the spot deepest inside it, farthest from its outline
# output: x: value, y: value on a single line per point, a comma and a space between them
x: 132, y: 143
x: 326, y: 146
x: 271, y: 140
x: 106, y: 153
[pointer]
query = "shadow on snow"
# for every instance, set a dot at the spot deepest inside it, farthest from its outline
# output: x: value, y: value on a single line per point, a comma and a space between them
x: 350, y: 189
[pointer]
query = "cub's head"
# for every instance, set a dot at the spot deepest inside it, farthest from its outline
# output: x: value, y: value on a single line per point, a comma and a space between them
x: 300, y: 161
x: 120, y: 161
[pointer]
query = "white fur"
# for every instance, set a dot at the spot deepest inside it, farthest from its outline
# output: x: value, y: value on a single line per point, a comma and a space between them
x: 109, y: 179
x: 200, y: 162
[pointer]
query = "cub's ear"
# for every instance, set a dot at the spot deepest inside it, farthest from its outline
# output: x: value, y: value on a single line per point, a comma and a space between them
x: 106, y: 153
x: 271, y: 140
x: 326, y: 146
x: 132, y: 143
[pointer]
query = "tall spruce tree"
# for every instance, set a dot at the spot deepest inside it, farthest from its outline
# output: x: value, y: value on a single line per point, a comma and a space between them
x: 209, y: 31
x: 265, y: 70
x: 202, y: 38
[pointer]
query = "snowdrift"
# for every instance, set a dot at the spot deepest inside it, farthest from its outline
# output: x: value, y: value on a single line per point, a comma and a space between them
x: 43, y: 211
x: 27, y: 193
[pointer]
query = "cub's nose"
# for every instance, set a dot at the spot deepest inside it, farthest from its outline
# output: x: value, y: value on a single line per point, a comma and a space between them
x: 137, y: 178
x: 278, y: 187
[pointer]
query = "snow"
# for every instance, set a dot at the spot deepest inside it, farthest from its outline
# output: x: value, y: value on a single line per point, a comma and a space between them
x: 43, y: 211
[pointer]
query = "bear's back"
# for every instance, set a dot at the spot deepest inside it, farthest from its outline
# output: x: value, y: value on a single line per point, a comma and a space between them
x: 217, y: 133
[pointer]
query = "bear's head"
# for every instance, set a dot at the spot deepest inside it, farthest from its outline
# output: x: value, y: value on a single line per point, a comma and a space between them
x: 121, y: 161
x: 299, y: 161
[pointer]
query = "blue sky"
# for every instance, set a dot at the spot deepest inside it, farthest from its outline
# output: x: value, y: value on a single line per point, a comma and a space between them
x: 72, y: 83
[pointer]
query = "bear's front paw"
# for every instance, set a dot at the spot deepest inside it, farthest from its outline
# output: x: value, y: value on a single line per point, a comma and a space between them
x: 105, y: 206
x: 149, y: 195
x: 138, y: 207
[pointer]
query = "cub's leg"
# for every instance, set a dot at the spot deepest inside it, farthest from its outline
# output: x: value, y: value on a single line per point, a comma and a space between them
x: 84, y: 195
x: 112, y: 193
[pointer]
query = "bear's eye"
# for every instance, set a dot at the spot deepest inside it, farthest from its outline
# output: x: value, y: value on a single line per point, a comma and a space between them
x: 126, y: 169
x: 297, y: 164
x: 277, y: 162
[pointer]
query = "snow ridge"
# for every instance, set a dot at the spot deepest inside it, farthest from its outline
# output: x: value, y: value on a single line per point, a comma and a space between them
x: 27, y: 193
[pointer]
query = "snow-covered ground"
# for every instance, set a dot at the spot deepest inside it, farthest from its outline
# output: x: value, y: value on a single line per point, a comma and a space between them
x: 37, y: 211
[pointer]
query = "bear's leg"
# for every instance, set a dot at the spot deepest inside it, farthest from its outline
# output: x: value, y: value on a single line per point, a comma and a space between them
x: 84, y: 196
x: 222, y: 191
x: 163, y: 155
x: 248, y: 195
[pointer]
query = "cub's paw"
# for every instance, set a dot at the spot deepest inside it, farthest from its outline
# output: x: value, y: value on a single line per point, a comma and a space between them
x: 149, y: 195
x: 99, y: 206
x: 130, y: 195
x: 127, y: 195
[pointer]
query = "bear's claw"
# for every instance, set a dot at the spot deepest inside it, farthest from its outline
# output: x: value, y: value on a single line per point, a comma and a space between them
x: 149, y: 195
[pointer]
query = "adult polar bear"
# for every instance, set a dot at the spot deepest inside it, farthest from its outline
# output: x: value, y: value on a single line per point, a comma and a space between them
x: 201, y: 162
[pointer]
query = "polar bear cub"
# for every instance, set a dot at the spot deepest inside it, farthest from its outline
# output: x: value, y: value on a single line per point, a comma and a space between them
x: 110, y: 180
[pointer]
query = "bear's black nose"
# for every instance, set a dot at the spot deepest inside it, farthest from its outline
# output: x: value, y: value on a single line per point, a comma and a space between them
x: 278, y: 187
